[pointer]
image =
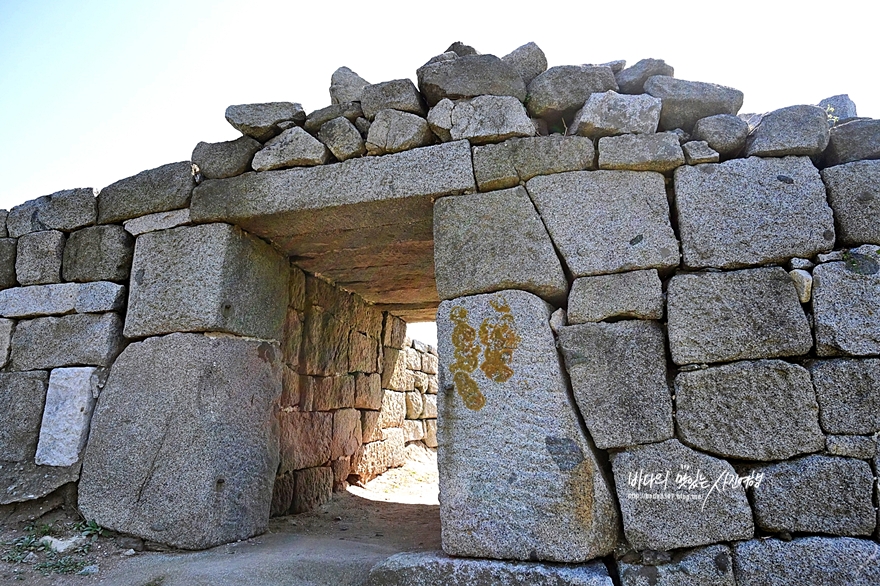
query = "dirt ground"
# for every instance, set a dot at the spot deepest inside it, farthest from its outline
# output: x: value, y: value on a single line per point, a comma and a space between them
x: 336, y: 544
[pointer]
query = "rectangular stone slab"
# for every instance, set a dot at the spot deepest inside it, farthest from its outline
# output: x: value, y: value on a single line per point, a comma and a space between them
x: 543, y: 496
x: 184, y: 442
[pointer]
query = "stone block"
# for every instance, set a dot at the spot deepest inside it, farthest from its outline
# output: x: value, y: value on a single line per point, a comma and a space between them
x: 342, y: 138
x: 64, y: 210
x: 517, y: 160
x: 641, y: 152
x: 393, y: 131
x: 610, y: 113
x: 261, y: 121
x: 528, y: 60
x: 430, y: 433
x: 394, y: 374
x: 482, y: 120
x: 6, y: 327
x: 415, y: 405
x: 561, y: 91
x: 351, y: 111
x: 8, y: 248
x: 723, y: 212
x: 394, y: 331
x: 838, y: 108
x: 816, y: 494
x: 430, y: 411
x: 846, y: 303
x: 70, y: 401
x: 23, y: 395
x: 671, y: 497
x: 469, y: 76
x: 25, y: 481
x: 494, y: 504
x: 368, y: 392
x: 381, y: 455
x: 219, y: 160
x: 738, y: 315
x: 157, y: 221
x: 725, y: 133
x: 636, y: 294
x: 489, y: 242
x: 763, y: 410
x: 99, y: 253
x: 855, y: 140
x: 312, y: 488
x: 685, y: 102
x: 292, y: 148
x: 363, y: 353
x: 92, y: 339
x: 164, y: 188
x: 632, y: 79
x: 332, y: 392
x: 347, y: 434
x: 370, y: 426
x: 430, y: 364
x: 212, y: 277
x: 398, y: 94
x: 807, y: 560
x: 38, y: 257
x: 795, y: 130
x: 305, y: 439
x: 413, y: 430
x: 628, y: 213
x: 282, y: 495
x: 341, y: 470
x: 854, y: 195
x: 698, y: 152
x: 346, y: 86
x: 439, y: 569
x: 413, y: 358
x: 705, y: 566
x: 848, y: 391
x: 851, y: 446
x: 190, y: 416
x: 4, y: 232
x: 62, y: 298
x: 618, y: 375
x: 393, y: 410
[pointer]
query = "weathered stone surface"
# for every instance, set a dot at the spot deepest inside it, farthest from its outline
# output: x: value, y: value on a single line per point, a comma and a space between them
x: 636, y: 294
x: 763, y: 410
x: 398, y: 94
x: 498, y: 166
x: 312, y: 488
x: 468, y: 77
x: 292, y: 148
x: 430, y: 411
x: 157, y: 221
x: 368, y: 391
x: 494, y: 505
x: 848, y: 391
x: 610, y: 113
x: 282, y: 495
x: 725, y: 133
x: 38, y: 257
x: 6, y: 326
x: 671, y: 496
x: 25, y: 481
x: 379, y: 456
x: 488, y: 242
x: 346, y: 86
x: 70, y: 400
x: 641, y: 152
x: 854, y: 195
x: 218, y: 160
x: 685, y: 102
x: 461, y: 49
x: 23, y: 395
x: 618, y: 375
x: 838, y: 109
x: 752, y: 211
x: 439, y: 569
x: 851, y: 446
x: 4, y: 232
x: 855, y: 140
x: 8, y: 248
x: 211, y: 277
x: 215, y: 450
x: 816, y: 494
x: 697, y: 152
x: 627, y: 210
x: 739, y: 315
x: 342, y: 138
x: 260, y: 121
x: 348, y: 110
x: 481, y: 120
x: 632, y: 79
x: 62, y: 298
x: 846, y: 303
x: 347, y: 435
x: 528, y: 60
x: 99, y: 253
x: 157, y: 190
x: 796, y: 130
x: 393, y: 409
x: 64, y: 210
x: 808, y: 560
x: 430, y: 364
x: 561, y: 91
x: 92, y: 339
x: 305, y: 439
x: 706, y: 566
x: 331, y: 392
x: 393, y: 131
x: 803, y: 283
x: 415, y: 405
x: 413, y: 430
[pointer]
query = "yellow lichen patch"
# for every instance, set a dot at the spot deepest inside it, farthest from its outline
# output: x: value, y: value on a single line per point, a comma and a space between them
x: 500, y: 339
x: 467, y: 356
x: 469, y: 391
